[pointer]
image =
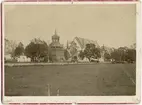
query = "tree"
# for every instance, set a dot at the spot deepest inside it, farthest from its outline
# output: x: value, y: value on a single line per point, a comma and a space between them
x: 91, y: 51
x: 124, y: 54
x: 10, y: 47
x: 107, y: 56
x: 120, y: 54
x: 36, y: 50
x: 115, y: 55
x: 66, y: 54
x: 19, y: 50
x: 131, y: 55
x: 133, y: 46
x: 81, y: 54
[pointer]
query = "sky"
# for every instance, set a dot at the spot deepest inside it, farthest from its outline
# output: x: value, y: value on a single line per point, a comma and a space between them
x: 111, y: 25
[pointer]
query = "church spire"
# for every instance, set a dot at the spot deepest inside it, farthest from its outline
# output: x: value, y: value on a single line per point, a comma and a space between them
x: 67, y: 45
x: 55, y: 37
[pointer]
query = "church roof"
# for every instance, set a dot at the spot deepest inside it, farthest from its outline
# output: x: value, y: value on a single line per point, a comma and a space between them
x: 106, y: 49
x: 82, y: 42
x: 55, y: 35
x: 56, y: 43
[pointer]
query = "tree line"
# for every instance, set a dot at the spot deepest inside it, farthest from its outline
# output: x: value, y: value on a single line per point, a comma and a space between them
x: 38, y: 50
x: 120, y: 54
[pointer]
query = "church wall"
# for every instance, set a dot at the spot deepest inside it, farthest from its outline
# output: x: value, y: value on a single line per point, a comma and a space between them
x: 57, y: 54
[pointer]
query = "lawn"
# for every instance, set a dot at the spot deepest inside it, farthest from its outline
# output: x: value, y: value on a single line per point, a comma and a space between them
x: 71, y: 80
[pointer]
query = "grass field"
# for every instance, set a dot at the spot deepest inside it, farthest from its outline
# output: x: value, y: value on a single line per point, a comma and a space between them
x: 71, y: 80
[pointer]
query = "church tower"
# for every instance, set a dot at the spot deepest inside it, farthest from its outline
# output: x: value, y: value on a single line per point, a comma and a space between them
x: 56, y: 41
x: 56, y: 49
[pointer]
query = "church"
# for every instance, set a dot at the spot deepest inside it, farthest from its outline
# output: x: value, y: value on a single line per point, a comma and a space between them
x: 78, y: 44
x: 56, y: 50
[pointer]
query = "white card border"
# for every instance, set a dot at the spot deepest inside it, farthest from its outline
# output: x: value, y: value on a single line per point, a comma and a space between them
x: 82, y: 99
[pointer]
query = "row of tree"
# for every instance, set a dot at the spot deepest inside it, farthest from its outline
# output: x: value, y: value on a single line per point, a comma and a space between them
x: 124, y: 54
x: 38, y: 49
x: 120, y: 54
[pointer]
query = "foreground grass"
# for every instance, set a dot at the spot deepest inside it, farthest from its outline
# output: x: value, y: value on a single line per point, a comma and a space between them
x: 76, y: 80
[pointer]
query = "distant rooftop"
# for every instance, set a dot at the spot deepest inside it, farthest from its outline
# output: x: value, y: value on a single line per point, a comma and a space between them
x: 82, y: 42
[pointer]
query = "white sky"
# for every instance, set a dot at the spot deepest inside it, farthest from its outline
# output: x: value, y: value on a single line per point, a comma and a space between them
x: 111, y: 25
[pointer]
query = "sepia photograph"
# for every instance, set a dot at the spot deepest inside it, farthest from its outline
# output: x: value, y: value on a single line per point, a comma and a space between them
x: 70, y: 50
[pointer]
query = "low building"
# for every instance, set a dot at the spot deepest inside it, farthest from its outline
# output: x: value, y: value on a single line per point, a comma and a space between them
x: 23, y: 58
